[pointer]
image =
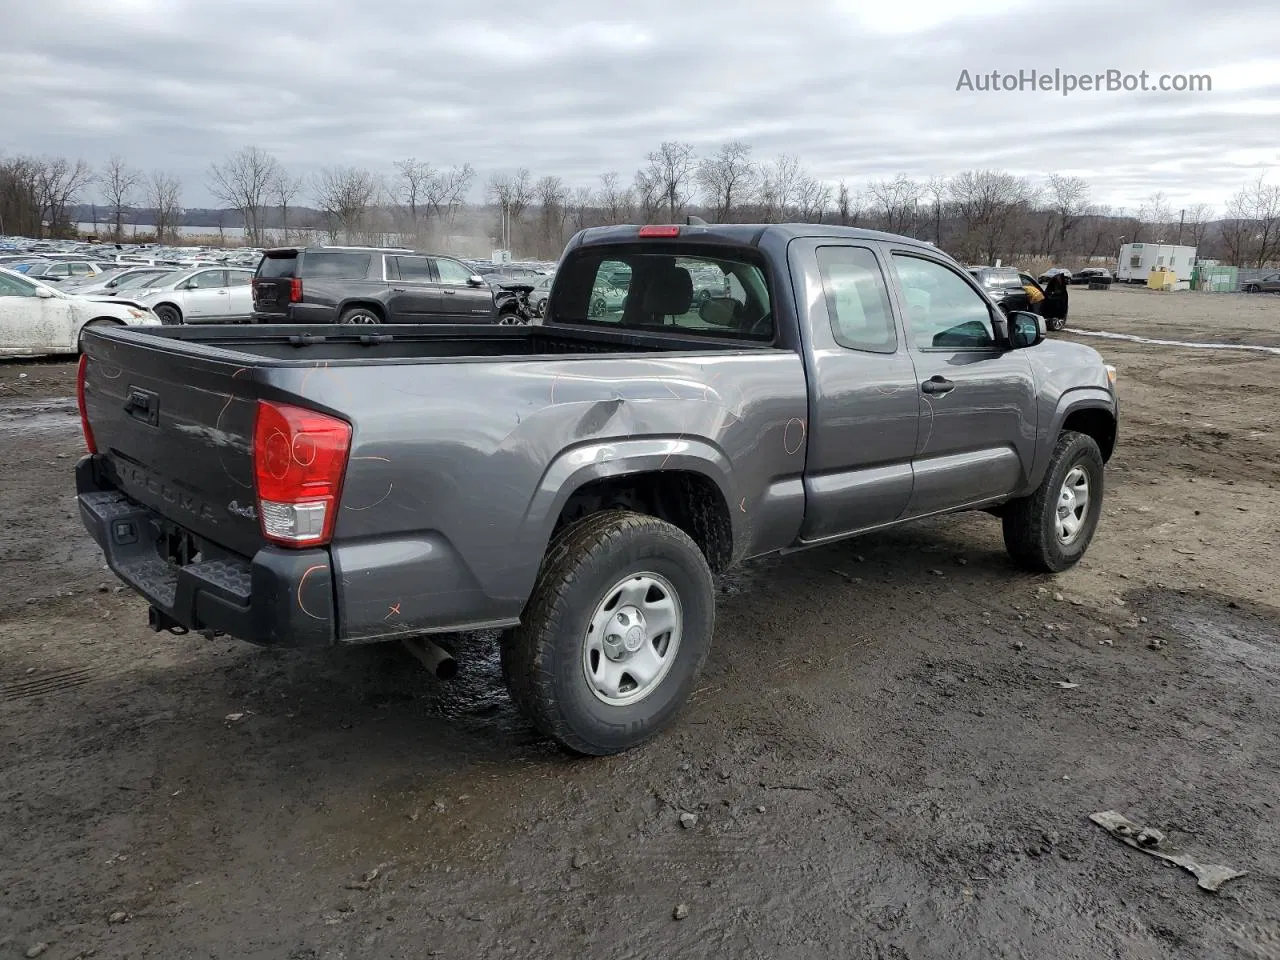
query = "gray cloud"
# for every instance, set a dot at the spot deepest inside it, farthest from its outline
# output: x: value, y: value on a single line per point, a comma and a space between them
x: 857, y: 90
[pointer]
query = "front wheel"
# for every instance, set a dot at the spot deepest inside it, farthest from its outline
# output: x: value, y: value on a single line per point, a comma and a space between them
x: 168, y: 315
x: 1057, y: 323
x: 1252, y: 288
x: 1049, y: 531
x: 615, y: 634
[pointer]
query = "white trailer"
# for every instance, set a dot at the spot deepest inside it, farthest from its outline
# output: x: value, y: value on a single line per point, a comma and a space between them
x: 1137, y: 260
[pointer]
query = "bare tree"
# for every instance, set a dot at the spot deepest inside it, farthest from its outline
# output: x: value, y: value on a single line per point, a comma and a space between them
x: 1256, y: 209
x: 552, y: 198
x: 813, y: 199
x: 896, y: 203
x: 1155, y: 214
x: 1199, y: 216
x: 727, y: 177
x: 780, y: 184
x: 243, y: 182
x: 580, y: 206
x: 284, y: 190
x: 670, y: 168
x: 987, y: 203
x: 616, y: 201
x: 412, y: 179
x: 936, y: 190
x: 649, y: 197
x: 20, y: 198
x: 447, y: 191
x: 164, y: 196
x: 120, y: 184
x: 61, y: 181
x: 1068, y: 201
x: 345, y: 194
x: 513, y: 192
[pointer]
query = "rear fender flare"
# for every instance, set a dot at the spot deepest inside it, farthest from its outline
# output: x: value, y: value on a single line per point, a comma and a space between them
x: 577, y: 466
x: 345, y: 305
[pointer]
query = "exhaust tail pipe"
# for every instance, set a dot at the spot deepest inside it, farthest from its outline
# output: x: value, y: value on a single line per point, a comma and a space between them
x: 435, y: 658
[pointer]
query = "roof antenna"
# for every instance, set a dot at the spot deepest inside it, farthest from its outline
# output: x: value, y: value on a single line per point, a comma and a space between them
x: 693, y: 221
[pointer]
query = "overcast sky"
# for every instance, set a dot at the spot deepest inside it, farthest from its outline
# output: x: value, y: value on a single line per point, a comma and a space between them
x: 858, y: 90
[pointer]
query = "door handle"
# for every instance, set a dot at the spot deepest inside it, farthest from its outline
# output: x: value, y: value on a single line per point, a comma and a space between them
x: 450, y: 293
x: 938, y: 385
x: 399, y: 290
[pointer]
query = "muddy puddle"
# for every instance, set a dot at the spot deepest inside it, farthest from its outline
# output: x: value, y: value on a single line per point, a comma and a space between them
x: 36, y: 417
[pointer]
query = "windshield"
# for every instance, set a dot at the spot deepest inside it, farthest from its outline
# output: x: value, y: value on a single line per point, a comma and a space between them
x: 718, y: 295
x: 131, y: 280
x: 165, y: 279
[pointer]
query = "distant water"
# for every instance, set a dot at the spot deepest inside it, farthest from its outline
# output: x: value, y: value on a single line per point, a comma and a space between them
x: 103, y: 230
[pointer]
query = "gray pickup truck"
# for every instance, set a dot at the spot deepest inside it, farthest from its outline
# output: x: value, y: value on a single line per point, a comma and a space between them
x: 577, y: 484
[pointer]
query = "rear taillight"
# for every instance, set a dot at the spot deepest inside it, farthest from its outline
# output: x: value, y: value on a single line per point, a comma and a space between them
x: 81, y: 373
x: 295, y: 290
x: 299, y: 458
x: 660, y: 230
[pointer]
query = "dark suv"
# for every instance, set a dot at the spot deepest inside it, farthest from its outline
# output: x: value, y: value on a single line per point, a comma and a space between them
x: 368, y: 285
x: 1004, y: 286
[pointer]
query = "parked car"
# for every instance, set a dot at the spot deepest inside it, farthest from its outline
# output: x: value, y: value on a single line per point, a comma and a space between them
x: 539, y: 294
x: 1053, y: 272
x: 368, y: 285
x: 1091, y: 275
x: 36, y: 318
x: 112, y: 283
x: 1004, y: 286
x: 1268, y: 284
x: 53, y: 271
x: 577, y: 484
x: 202, y: 295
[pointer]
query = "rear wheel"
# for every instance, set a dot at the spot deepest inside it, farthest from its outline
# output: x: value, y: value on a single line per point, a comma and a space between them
x: 359, y: 315
x: 169, y: 315
x: 1049, y: 531
x: 615, y: 633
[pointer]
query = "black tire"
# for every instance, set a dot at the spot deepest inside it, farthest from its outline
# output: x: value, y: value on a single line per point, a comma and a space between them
x: 360, y: 315
x: 511, y: 318
x: 1058, y: 323
x: 1252, y: 288
x: 543, y: 658
x: 1031, y: 523
x: 169, y: 315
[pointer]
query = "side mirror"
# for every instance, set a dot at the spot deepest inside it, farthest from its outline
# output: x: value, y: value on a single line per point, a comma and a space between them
x: 44, y: 294
x: 1025, y: 329
x: 475, y: 280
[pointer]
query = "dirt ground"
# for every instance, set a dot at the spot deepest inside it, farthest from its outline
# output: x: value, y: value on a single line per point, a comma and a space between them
x: 880, y: 757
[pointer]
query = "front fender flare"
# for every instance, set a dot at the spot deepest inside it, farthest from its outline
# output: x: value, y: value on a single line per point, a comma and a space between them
x: 1078, y: 398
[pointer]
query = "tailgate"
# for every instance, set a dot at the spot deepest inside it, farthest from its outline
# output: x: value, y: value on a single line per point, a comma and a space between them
x: 175, y: 432
x: 274, y: 280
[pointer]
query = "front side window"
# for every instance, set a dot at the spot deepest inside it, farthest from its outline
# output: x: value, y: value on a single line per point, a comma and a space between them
x: 857, y: 299
x: 718, y: 295
x: 209, y: 280
x: 13, y: 287
x: 451, y: 271
x: 943, y: 311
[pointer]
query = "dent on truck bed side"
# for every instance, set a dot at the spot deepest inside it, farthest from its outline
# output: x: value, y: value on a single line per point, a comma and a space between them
x: 458, y: 471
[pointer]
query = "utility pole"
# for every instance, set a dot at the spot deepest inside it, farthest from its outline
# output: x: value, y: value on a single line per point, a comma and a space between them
x: 1182, y: 216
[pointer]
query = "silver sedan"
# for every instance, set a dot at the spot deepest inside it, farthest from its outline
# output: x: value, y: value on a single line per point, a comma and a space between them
x: 200, y: 295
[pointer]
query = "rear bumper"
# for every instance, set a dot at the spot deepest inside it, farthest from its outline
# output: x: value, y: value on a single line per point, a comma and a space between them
x: 278, y: 598
x: 298, y: 313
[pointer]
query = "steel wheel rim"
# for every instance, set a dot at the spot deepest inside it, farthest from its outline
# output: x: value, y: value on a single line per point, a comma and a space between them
x: 1073, y: 505
x: 632, y: 639
x: 361, y: 318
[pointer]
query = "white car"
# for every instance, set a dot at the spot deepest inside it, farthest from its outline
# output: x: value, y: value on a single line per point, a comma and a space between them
x: 200, y: 295
x: 36, y: 318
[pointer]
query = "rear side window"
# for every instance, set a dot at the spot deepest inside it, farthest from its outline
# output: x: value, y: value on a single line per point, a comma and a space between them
x: 857, y: 299
x: 273, y: 268
x: 716, y: 294
x: 335, y: 266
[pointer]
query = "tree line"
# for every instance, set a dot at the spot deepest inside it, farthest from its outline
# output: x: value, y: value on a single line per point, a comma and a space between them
x: 978, y: 215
